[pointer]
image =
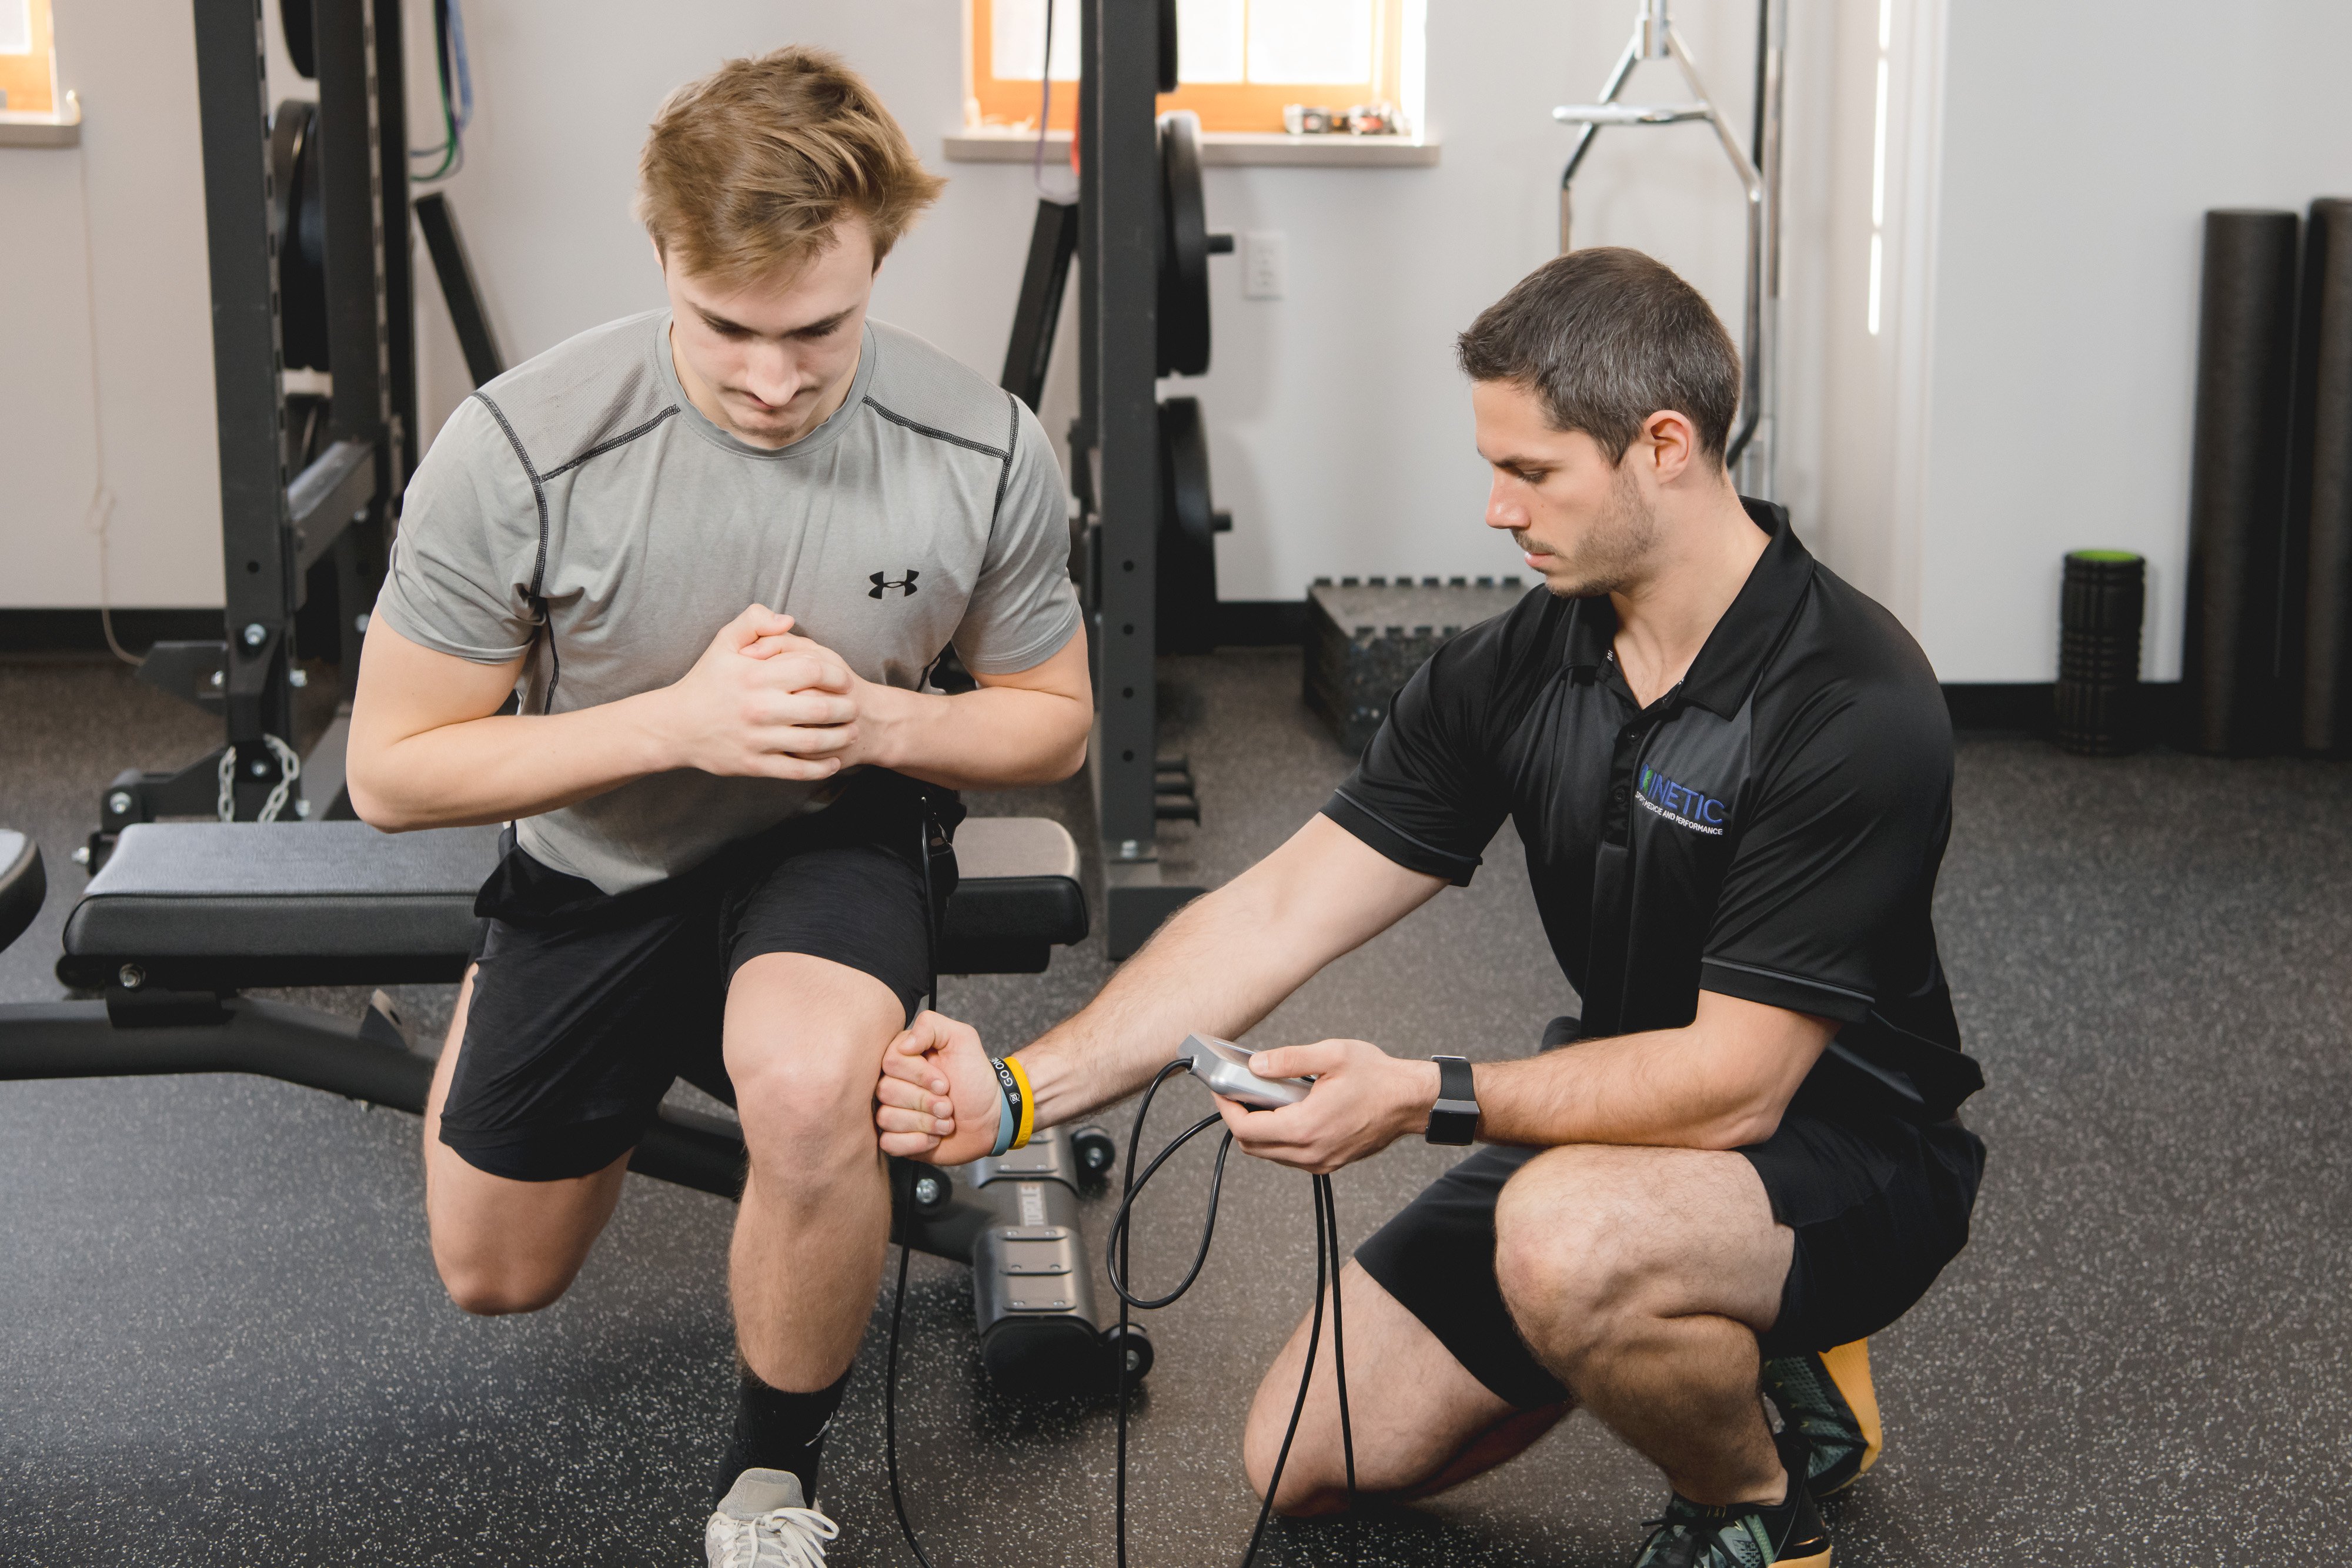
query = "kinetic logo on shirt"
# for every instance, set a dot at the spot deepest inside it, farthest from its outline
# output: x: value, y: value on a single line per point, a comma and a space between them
x: 1682, y: 805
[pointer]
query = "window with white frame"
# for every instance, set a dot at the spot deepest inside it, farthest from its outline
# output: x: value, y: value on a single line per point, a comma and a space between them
x: 1239, y: 62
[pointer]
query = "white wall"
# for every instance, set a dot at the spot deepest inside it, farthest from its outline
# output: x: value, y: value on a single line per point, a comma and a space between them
x: 2081, y: 145
x: 2031, y: 391
x: 143, y: 277
x: 1340, y: 432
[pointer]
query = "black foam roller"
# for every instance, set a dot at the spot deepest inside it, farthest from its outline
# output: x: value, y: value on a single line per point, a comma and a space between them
x: 2238, y: 475
x: 2323, y: 475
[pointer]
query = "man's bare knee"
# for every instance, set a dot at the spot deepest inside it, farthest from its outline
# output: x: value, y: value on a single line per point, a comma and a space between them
x: 1565, y: 1252
x: 504, y: 1246
x: 803, y: 1049
x: 806, y: 1100
x: 487, y: 1289
x: 1306, y: 1492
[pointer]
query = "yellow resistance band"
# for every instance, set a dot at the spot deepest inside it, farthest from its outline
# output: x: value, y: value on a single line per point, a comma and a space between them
x: 1028, y: 1103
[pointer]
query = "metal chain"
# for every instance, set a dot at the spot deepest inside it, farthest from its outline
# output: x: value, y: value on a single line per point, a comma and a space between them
x: 290, y: 769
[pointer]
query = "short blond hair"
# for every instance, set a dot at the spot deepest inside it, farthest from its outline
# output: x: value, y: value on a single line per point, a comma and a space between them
x: 746, y: 172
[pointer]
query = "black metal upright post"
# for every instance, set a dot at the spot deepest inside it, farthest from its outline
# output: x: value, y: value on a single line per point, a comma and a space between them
x: 248, y: 383
x: 399, y: 264
x: 362, y: 138
x: 1119, y: 282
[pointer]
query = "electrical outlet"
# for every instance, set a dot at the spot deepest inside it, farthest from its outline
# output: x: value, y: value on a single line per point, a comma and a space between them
x: 1266, y: 265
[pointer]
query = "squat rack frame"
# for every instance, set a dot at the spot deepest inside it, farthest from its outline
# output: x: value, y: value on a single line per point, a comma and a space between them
x: 276, y: 525
x: 1115, y: 449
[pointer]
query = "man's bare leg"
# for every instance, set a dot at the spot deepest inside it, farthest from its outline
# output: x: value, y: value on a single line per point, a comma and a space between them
x: 1424, y: 1424
x: 502, y: 1245
x: 804, y: 1039
x: 1641, y: 1278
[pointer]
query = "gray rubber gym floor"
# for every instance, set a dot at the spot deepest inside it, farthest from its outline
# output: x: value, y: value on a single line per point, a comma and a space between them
x: 224, y: 1344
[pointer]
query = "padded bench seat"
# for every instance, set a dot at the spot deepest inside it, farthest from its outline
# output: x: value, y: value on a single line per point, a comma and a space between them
x: 223, y: 906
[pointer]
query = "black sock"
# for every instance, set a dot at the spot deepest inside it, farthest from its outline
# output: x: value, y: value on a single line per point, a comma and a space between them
x: 779, y: 1431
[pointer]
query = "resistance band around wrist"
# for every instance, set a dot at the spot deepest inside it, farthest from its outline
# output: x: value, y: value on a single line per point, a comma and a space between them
x: 1013, y: 1127
x: 1028, y: 1101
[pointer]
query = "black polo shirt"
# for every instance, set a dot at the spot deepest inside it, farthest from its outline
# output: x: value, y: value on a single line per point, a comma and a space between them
x: 1769, y: 828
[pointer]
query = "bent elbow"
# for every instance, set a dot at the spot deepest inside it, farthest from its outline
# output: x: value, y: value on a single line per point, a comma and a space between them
x: 1072, y: 759
x: 1742, y: 1128
x: 371, y: 807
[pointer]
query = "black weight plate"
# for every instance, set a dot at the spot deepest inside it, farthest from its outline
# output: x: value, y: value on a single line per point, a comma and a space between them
x: 1185, y: 587
x: 1167, y: 45
x: 299, y: 215
x: 294, y: 18
x: 1183, y: 248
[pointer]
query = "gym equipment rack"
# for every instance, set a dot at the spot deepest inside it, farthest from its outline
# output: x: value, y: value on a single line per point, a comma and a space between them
x: 339, y: 508
x: 1750, y: 453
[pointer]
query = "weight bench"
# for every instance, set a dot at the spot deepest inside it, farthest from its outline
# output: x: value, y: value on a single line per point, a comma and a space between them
x: 186, y: 917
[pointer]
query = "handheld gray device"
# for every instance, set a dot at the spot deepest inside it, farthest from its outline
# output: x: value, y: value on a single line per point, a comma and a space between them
x: 1224, y: 1068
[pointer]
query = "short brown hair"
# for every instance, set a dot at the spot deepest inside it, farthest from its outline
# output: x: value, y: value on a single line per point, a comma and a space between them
x: 747, y: 171
x: 1605, y: 338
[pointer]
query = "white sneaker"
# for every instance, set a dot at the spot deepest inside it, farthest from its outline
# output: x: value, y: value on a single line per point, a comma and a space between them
x: 764, y: 1523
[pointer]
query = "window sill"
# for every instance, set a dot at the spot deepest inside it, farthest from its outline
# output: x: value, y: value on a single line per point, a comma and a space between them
x: 59, y: 130
x: 989, y: 145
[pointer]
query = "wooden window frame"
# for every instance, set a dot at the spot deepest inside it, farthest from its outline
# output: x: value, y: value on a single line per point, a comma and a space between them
x: 30, y: 81
x: 1011, y: 102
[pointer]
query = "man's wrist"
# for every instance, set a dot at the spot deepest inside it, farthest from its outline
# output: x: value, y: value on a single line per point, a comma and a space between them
x: 885, y: 714
x: 648, y: 740
x: 1417, y: 1087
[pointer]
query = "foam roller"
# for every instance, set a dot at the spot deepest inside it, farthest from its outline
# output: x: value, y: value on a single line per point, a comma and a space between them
x: 2238, y: 475
x: 2323, y: 476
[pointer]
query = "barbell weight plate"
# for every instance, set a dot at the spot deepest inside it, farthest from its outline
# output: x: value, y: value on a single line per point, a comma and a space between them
x: 1185, y: 588
x: 297, y: 213
x: 1183, y: 248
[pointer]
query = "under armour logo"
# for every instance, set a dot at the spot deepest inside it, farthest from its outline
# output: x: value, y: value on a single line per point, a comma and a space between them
x: 882, y: 584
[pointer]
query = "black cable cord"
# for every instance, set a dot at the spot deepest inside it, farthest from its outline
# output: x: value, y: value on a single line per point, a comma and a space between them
x: 1338, y: 1345
x: 899, y: 1297
x: 891, y: 1406
x: 1116, y: 1263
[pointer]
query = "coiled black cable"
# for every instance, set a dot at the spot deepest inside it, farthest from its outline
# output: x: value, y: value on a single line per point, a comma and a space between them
x: 1115, y: 1264
x: 1327, y: 1264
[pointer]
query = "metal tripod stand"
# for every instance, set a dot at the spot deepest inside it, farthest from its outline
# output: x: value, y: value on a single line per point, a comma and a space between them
x: 1750, y: 451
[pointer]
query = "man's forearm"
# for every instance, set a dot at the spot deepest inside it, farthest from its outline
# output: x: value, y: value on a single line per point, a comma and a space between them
x: 1681, y: 1087
x: 507, y: 766
x: 1218, y: 968
x: 993, y: 739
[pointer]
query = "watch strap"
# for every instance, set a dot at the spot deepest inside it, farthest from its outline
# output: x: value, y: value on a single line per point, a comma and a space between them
x: 1454, y: 1120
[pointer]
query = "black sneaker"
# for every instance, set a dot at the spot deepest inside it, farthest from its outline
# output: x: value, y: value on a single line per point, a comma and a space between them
x: 1827, y: 1399
x: 1738, y: 1535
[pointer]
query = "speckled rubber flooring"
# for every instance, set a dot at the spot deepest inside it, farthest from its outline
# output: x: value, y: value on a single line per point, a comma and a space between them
x: 221, y: 1341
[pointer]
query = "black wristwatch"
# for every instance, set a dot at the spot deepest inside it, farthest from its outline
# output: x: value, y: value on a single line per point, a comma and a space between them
x: 1455, y: 1118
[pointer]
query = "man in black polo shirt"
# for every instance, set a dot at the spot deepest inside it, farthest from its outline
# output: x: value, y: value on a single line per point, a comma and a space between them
x: 1732, y: 775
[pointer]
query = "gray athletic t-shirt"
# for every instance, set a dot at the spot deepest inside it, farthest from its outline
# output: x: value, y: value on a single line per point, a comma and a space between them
x: 581, y: 511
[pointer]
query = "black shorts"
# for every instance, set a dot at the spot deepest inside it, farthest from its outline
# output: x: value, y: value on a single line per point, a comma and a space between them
x: 587, y: 1006
x: 1879, y: 1205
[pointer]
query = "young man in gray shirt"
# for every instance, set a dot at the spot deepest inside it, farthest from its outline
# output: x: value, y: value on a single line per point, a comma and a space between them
x: 709, y: 553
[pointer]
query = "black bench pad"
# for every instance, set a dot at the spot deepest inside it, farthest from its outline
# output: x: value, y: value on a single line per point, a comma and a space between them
x: 226, y: 906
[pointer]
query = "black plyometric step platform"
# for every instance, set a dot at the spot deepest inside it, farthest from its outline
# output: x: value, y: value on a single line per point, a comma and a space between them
x: 1365, y: 639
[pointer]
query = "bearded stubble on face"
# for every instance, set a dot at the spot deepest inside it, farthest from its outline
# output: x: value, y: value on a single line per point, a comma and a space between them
x: 1613, y: 554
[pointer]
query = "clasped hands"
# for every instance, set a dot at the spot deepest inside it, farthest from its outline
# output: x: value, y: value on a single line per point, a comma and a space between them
x: 938, y: 1100
x: 765, y: 702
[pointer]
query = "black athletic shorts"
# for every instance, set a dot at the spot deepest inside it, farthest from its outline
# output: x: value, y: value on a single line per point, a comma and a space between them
x: 587, y: 1006
x: 1879, y: 1206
